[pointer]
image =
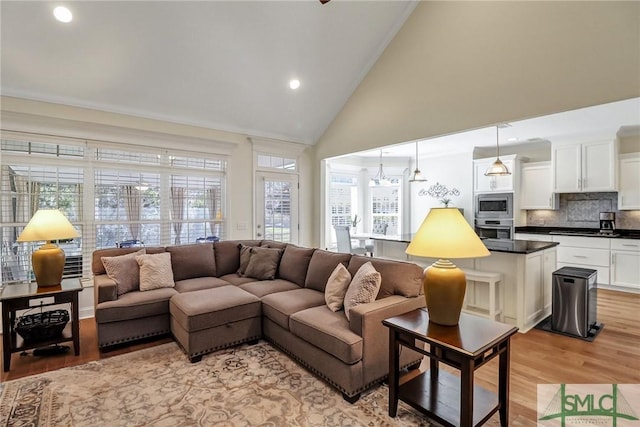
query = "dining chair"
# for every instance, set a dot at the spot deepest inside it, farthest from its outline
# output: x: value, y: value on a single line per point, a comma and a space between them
x: 343, y: 239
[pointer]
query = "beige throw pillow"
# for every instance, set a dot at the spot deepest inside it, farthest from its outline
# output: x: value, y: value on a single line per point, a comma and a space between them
x: 123, y: 270
x: 363, y: 288
x: 336, y: 287
x: 263, y: 263
x: 155, y: 271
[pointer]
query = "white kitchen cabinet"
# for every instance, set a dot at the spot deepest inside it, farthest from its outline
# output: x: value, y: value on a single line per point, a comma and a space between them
x: 629, y: 182
x: 536, y: 186
x: 534, y: 237
x: 625, y: 263
x: 585, y: 252
x: 497, y: 184
x: 584, y: 167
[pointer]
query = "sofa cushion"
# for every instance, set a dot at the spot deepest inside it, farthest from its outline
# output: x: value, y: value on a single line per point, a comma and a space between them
x: 263, y: 264
x: 155, y: 271
x: 266, y: 287
x: 363, y: 288
x: 198, y: 283
x: 234, y: 279
x: 135, y: 305
x: 398, y: 277
x: 194, y: 260
x: 273, y: 244
x: 227, y: 255
x: 337, y: 287
x: 329, y: 331
x: 321, y: 266
x: 97, y: 267
x: 124, y: 270
x: 209, y: 308
x: 294, y: 264
x: 279, y: 306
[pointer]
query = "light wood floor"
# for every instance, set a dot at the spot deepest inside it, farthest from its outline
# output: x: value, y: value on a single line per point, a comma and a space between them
x: 537, y: 357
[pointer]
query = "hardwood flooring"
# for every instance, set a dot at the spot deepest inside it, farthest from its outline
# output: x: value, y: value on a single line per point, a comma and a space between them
x: 537, y: 357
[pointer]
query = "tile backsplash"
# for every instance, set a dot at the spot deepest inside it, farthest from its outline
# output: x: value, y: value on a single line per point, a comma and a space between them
x: 581, y: 210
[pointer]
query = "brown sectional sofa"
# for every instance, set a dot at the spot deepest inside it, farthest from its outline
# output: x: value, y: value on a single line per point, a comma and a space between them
x: 350, y: 354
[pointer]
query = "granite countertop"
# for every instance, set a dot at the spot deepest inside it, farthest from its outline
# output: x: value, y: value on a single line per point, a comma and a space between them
x: 494, y: 245
x: 583, y: 232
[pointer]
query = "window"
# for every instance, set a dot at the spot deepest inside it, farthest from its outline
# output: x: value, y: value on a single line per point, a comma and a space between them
x: 111, y: 196
x: 343, y: 201
x: 385, y: 206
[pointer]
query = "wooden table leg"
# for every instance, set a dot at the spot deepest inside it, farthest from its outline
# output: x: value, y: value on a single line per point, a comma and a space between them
x: 394, y: 372
x: 75, y: 327
x: 503, y: 383
x: 466, y: 392
x: 6, y: 337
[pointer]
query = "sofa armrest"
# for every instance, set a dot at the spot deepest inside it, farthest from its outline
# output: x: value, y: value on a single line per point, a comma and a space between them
x: 105, y: 288
x: 366, y: 321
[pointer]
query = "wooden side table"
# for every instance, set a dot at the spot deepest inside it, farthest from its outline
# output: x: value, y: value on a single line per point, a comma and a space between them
x: 451, y: 400
x: 25, y: 296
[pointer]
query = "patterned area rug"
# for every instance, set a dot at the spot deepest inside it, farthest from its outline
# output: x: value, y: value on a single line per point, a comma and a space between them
x: 249, y: 385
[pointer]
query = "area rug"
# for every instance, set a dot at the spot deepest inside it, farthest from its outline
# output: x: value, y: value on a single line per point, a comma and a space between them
x: 249, y: 385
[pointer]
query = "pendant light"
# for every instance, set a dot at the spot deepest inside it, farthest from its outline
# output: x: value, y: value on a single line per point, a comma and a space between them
x: 417, y: 175
x: 497, y: 168
x: 380, y: 179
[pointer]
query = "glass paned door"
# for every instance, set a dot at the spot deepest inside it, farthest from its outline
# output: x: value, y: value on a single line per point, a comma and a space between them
x: 277, y: 207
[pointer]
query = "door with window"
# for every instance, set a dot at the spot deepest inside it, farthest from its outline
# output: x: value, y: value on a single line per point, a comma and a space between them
x: 277, y: 207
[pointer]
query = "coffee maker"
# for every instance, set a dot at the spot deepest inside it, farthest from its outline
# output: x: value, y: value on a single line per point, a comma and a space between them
x: 607, y: 222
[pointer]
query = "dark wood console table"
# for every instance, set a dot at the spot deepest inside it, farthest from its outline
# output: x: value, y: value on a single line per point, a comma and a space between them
x: 24, y: 296
x: 451, y: 400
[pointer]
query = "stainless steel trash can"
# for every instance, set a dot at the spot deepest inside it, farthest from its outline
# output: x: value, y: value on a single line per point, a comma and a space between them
x: 574, y: 300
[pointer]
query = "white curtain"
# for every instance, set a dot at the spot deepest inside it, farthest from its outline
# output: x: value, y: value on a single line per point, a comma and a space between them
x: 27, y: 198
x: 212, y: 204
x: 177, y: 211
x: 133, y: 207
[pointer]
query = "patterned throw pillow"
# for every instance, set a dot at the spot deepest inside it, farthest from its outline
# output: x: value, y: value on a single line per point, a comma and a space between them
x: 155, y: 271
x: 336, y: 287
x: 363, y: 288
x: 123, y: 270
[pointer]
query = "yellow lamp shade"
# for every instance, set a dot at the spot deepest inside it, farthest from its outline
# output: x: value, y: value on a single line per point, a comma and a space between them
x: 48, y: 261
x: 445, y: 234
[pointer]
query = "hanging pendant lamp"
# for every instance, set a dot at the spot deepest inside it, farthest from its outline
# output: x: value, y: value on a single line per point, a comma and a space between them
x: 497, y: 168
x: 380, y: 179
x: 417, y: 175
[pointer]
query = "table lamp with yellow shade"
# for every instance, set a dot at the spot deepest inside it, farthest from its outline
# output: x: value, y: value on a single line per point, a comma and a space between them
x: 48, y: 260
x: 445, y: 234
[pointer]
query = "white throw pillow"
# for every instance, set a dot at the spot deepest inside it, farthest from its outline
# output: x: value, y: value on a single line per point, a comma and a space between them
x: 336, y: 287
x: 363, y: 288
x: 155, y: 271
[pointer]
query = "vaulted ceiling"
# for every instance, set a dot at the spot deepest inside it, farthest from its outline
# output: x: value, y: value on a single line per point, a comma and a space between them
x: 220, y: 65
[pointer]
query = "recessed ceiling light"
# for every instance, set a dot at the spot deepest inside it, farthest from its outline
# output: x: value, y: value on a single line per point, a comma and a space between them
x: 62, y: 14
x: 294, y: 84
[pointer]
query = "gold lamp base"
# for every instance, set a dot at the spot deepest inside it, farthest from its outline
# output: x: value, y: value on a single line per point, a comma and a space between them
x: 48, y: 265
x: 444, y: 289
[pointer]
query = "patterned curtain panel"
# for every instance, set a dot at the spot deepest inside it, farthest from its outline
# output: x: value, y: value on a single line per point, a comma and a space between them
x: 133, y: 207
x: 177, y: 210
x: 212, y: 204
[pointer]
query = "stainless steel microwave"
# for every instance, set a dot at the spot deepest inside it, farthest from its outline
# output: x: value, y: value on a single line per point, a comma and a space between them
x: 494, y: 205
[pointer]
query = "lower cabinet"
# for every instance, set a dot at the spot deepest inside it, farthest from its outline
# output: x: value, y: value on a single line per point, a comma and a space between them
x: 585, y: 252
x: 625, y: 263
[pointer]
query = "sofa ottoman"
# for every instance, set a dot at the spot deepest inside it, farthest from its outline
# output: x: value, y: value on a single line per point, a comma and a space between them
x: 210, y: 319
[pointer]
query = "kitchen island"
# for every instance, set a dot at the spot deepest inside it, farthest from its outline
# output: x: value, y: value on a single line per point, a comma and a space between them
x: 526, y: 267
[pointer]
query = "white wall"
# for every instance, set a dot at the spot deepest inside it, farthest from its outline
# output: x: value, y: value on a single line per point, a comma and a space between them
x: 445, y: 170
x: 456, y: 66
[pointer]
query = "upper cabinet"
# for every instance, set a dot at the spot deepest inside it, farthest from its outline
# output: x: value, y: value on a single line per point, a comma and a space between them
x: 536, y: 182
x: 498, y: 184
x: 584, y: 167
x: 629, y: 182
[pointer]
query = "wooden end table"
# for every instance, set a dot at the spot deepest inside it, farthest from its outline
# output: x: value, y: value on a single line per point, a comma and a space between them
x: 451, y: 400
x: 23, y: 296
